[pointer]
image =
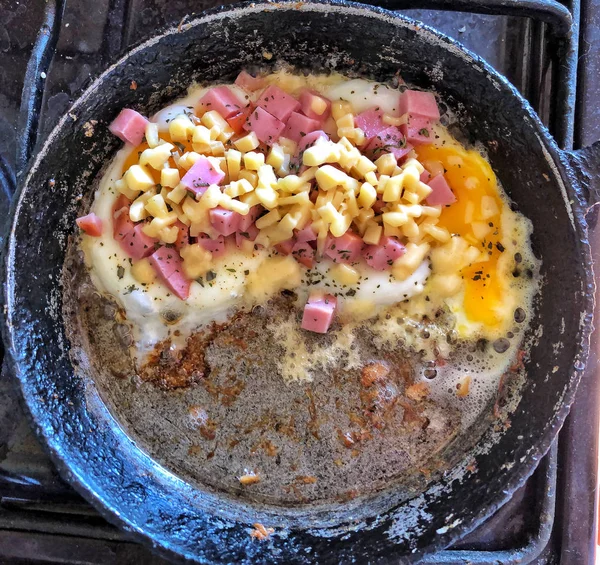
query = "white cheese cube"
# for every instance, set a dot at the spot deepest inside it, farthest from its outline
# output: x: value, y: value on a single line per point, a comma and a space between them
x: 139, y: 178
x: 169, y: 177
x: 254, y: 161
x: 151, y: 134
x: 234, y: 163
x: 181, y: 128
x: 247, y: 143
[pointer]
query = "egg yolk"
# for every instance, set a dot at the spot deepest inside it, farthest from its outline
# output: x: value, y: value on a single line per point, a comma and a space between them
x: 478, y: 220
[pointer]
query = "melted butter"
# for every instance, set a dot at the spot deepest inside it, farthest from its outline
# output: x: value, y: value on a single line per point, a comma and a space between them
x: 298, y: 364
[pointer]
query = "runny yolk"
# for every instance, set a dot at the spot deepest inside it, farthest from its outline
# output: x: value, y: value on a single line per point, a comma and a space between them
x: 471, y: 178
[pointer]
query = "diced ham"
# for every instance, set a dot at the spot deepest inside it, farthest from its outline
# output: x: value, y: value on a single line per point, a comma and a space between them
x: 242, y: 236
x: 222, y: 100
x: 419, y: 103
x: 441, y: 193
x: 379, y: 204
x: 215, y: 246
x: 90, y: 224
x: 304, y: 253
x: 122, y: 225
x: 382, y: 256
x: 121, y: 202
x: 344, y: 249
x: 299, y: 126
x: 237, y: 121
x: 318, y: 313
x: 137, y: 244
x: 417, y: 130
x: 277, y: 103
x: 306, y: 234
x: 390, y: 140
x: 169, y: 266
x: 249, y: 83
x: 179, y: 284
x: 310, y: 101
x: 371, y: 122
x: 183, y: 237
x: 224, y: 221
x: 202, y: 174
x: 129, y: 126
x: 266, y: 127
x: 285, y: 247
x: 425, y: 176
x: 310, y: 139
x: 248, y: 220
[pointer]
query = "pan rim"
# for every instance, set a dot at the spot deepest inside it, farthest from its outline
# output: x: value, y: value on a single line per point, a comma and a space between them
x: 555, y: 158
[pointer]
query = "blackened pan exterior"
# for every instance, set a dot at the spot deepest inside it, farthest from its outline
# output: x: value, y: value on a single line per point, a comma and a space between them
x: 86, y: 442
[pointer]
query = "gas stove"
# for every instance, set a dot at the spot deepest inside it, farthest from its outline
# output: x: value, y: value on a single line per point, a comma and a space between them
x: 50, y: 51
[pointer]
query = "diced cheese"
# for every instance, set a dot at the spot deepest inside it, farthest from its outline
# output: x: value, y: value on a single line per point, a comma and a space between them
x: 151, y: 135
x: 247, y: 143
x: 143, y: 272
x: 139, y: 178
x: 181, y: 128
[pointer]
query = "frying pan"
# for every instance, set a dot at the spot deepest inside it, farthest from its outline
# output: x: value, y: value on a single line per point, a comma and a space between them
x: 552, y: 188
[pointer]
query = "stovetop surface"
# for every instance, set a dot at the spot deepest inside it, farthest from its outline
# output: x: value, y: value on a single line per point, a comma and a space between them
x: 549, y: 520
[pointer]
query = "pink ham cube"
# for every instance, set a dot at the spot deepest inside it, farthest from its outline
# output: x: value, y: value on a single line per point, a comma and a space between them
x: 224, y: 221
x: 248, y: 82
x: 418, y: 103
x: 222, y: 100
x: 389, y: 140
x: 202, y: 174
x: 121, y: 202
x: 129, y: 126
x: 183, y: 236
x: 243, y: 236
x: 90, y: 224
x: 277, y: 103
x: 379, y: 204
x: 417, y: 130
x: 382, y: 256
x: 179, y: 284
x: 371, y: 122
x: 122, y: 225
x: 310, y: 139
x: 318, y: 313
x: 137, y: 244
x: 309, y: 99
x: 441, y: 193
x: 266, y: 127
x: 306, y: 234
x: 299, y: 126
x: 285, y: 247
x: 215, y: 246
x: 169, y: 266
x: 304, y: 253
x: 248, y: 220
x: 425, y: 176
x: 344, y: 249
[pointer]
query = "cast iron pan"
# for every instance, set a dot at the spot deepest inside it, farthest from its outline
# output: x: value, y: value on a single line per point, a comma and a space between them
x: 552, y: 188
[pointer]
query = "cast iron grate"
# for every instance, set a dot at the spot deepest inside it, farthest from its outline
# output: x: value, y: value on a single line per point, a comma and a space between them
x: 533, y: 42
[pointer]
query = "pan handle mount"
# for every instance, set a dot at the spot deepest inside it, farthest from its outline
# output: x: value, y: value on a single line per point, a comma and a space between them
x: 586, y: 166
x: 549, y: 11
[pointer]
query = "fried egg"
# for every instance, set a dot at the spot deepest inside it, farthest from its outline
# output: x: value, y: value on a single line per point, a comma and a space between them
x: 484, y: 308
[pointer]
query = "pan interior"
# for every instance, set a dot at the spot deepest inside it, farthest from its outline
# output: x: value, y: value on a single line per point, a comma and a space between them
x: 224, y: 414
x: 83, y: 438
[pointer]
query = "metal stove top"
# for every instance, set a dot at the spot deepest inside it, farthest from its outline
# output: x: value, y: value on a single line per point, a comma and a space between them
x: 551, y: 519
